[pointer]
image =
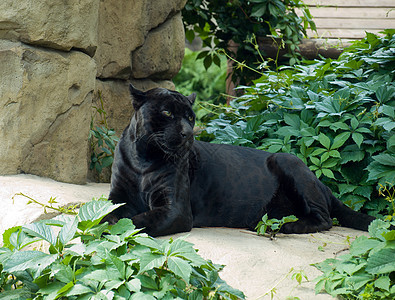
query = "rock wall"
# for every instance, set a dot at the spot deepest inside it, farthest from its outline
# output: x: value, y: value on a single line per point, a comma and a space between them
x: 54, y: 58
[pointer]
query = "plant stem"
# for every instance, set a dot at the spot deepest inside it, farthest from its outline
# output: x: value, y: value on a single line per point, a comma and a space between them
x: 276, y: 284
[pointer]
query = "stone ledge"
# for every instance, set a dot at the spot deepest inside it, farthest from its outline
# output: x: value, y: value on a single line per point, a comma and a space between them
x: 61, y: 25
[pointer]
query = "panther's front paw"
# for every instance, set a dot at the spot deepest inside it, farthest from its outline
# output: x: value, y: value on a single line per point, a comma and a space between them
x: 111, y: 219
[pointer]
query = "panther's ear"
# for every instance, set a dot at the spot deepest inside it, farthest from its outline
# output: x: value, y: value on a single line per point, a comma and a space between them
x: 191, y: 98
x: 138, y: 97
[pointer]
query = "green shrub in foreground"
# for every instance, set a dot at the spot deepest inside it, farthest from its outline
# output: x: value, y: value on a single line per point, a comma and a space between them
x: 367, y: 272
x: 336, y: 115
x: 121, y: 264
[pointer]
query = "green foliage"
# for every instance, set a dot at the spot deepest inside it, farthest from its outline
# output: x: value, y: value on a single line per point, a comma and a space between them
x: 273, y: 226
x: 367, y: 272
x: 218, y: 23
x: 103, y: 141
x: 209, y: 85
x: 119, y: 264
x: 336, y: 115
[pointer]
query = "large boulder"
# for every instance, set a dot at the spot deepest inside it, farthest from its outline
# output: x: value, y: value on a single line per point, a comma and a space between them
x: 56, y: 24
x: 46, y: 99
x: 161, y: 55
x: 123, y: 27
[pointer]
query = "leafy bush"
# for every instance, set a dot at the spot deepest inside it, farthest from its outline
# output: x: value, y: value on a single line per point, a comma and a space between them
x: 209, y: 85
x: 367, y: 272
x: 273, y: 226
x: 336, y: 115
x: 103, y: 141
x: 110, y: 262
x: 218, y: 23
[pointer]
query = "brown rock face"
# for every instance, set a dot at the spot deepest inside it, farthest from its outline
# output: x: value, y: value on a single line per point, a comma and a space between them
x: 52, y: 55
x: 45, y: 111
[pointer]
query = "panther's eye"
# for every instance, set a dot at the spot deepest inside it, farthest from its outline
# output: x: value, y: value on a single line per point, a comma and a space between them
x: 167, y: 113
x: 191, y: 118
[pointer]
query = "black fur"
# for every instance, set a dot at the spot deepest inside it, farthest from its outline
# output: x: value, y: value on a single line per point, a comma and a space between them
x: 171, y: 183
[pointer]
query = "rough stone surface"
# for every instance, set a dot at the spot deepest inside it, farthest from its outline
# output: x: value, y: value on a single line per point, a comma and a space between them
x: 124, y: 25
x: 56, y: 24
x: 253, y: 264
x: 161, y: 55
x: 45, y: 102
x: 48, y: 75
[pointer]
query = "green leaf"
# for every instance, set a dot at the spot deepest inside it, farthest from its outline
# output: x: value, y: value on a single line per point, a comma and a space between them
x: 377, y: 171
x: 65, y: 288
x: 391, y: 144
x: 107, y: 161
x: 141, y: 296
x: 355, y: 156
x: 382, y: 261
x: 34, y: 260
x: 293, y: 120
x: 78, y: 290
x: 315, y: 161
x: 324, y: 140
x: 42, y: 231
x: 149, y: 261
x: 386, y: 123
x: 318, y: 151
x: 354, y: 123
x: 123, y: 226
x: 258, y: 10
x: 389, y: 236
x: 179, y: 267
x: 114, y: 264
x: 339, y: 125
x: 328, y: 173
x: 68, y: 231
x: 340, y: 139
x: 363, y: 244
x: 22, y: 293
x: 358, y: 138
x: 207, y: 61
x: 190, y: 35
x: 383, y: 283
x: 96, y: 210
x: 12, y: 237
x: 134, y: 285
x: 385, y: 159
x: 383, y: 93
x: 147, y: 282
x: 334, y: 153
x: 63, y: 272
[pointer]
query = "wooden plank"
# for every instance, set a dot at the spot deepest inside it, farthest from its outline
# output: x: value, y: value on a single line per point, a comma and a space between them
x: 350, y: 12
x: 351, y: 3
x: 360, y: 24
x: 340, y: 33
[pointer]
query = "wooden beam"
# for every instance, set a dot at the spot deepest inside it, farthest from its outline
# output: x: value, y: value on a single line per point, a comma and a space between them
x: 341, y: 33
x: 361, y: 24
x: 309, y: 48
x: 351, y: 3
x: 352, y: 13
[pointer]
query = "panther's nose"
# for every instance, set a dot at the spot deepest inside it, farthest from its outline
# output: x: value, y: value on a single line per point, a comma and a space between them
x: 183, y: 134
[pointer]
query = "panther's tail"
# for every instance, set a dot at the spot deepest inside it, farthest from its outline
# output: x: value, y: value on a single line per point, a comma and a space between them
x: 348, y: 217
